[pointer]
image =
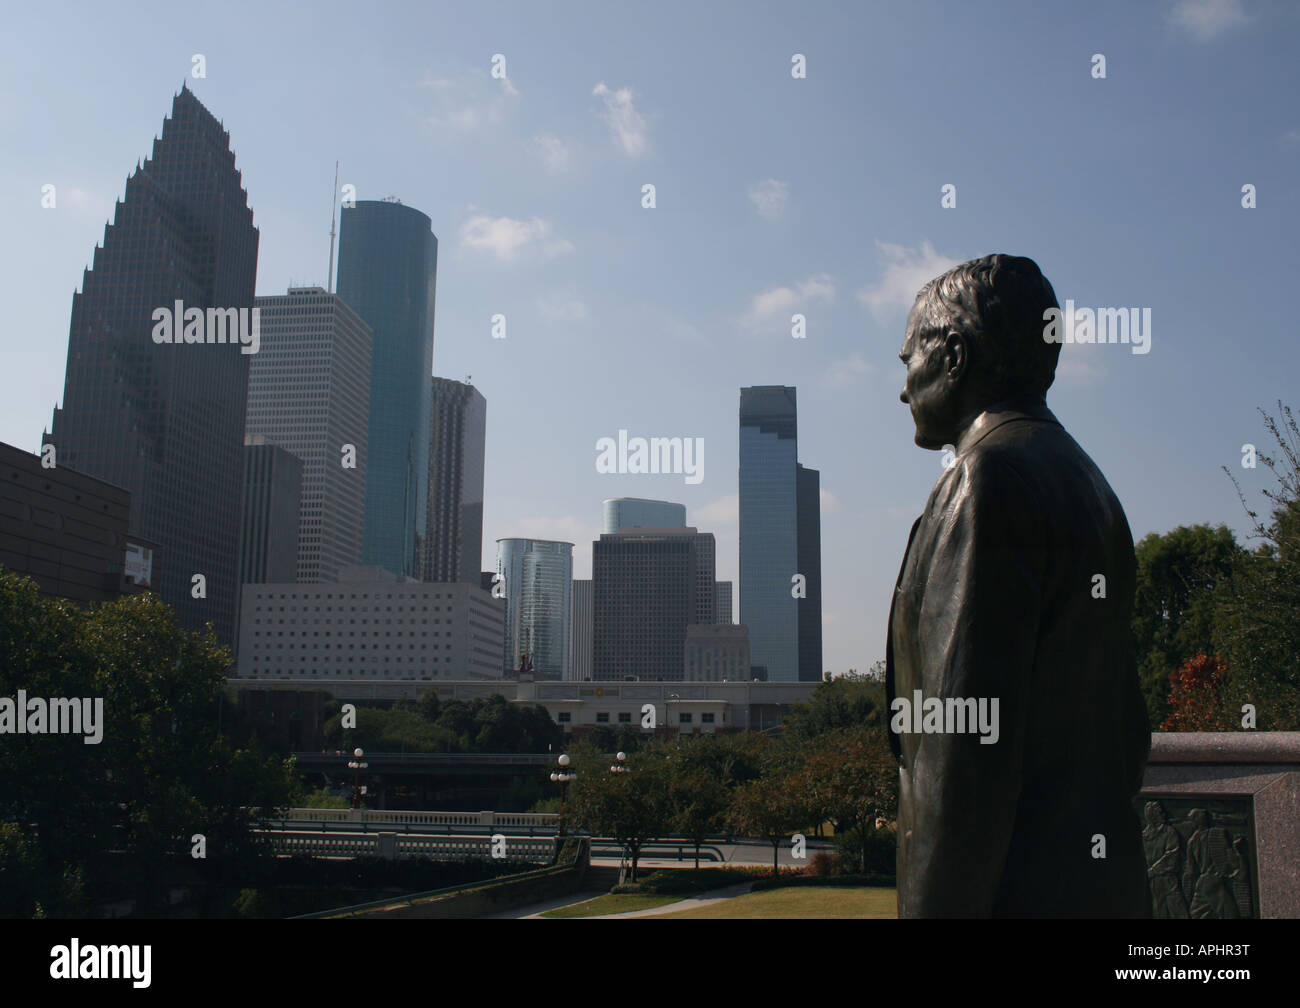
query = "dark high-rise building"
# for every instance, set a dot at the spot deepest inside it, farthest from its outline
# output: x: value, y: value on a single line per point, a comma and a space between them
x: 779, y: 537
x: 64, y: 530
x: 157, y: 376
x: 581, y: 638
x: 453, y: 537
x: 648, y: 586
x: 388, y: 263
x: 722, y: 611
x: 268, y: 547
x: 810, y: 566
x: 309, y: 392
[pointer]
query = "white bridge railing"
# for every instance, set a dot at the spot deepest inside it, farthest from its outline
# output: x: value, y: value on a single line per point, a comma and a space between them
x: 489, y: 821
x: 395, y: 845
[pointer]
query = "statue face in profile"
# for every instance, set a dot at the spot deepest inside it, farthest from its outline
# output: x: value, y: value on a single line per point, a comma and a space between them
x: 934, y: 373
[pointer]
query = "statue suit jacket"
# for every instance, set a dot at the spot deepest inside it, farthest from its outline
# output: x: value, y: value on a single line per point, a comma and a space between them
x: 998, y: 597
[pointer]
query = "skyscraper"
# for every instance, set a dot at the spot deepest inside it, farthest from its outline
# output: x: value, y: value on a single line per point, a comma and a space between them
x: 309, y: 392
x: 648, y: 586
x: 388, y: 264
x: 780, y: 536
x: 722, y: 604
x: 636, y: 512
x: 581, y: 638
x: 453, y: 538
x: 165, y: 420
x: 268, y: 545
x: 538, y: 575
x: 809, y: 530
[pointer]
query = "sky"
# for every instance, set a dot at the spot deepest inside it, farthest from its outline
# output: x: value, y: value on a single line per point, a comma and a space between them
x: 774, y: 194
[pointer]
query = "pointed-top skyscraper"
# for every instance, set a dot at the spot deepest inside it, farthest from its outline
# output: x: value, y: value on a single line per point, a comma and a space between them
x: 166, y: 420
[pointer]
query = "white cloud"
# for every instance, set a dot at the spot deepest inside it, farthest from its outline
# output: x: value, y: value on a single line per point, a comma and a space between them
x: 723, y: 512
x: 1207, y: 19
x: 781, y: 302
x: 770, y: 197
x: 552, y: 151
x: 907, y: 270
x: 92, y: 204
x: 559, y: 308
x: 829, y: 502
x: 626, y: 124
x: 505, y: 237
x: 847, y: 372
x: 565, y: 528
x: 1291, y: 137
x: 468, y: 100
x: 1077, y: 365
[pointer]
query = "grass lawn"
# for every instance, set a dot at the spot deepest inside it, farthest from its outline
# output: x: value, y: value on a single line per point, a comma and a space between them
x: 612, y: 903
x: 800, y: 902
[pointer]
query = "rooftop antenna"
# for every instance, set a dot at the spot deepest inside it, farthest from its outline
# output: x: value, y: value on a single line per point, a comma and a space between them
x: 334, y: 206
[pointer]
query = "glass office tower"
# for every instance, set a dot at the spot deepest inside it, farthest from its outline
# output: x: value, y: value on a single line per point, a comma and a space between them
x: 165, y: 420
x: 538, y: 577
x: 769, y: 541
x: 388, y: 263
x: 636, y: 512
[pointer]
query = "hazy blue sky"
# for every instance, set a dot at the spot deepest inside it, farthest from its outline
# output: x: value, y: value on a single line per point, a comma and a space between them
x: 775, y: 195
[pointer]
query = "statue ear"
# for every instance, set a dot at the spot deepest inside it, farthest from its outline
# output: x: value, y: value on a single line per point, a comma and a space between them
x: 956, y: 355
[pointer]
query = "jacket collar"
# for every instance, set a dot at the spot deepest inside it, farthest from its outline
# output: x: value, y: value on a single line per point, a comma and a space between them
x: 1000, y: 413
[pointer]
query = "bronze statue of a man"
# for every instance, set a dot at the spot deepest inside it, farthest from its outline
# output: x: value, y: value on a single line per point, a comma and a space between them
x: 1014, y: 704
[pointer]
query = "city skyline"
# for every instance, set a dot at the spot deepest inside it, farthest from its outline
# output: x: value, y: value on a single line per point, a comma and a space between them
x: 775, y: 195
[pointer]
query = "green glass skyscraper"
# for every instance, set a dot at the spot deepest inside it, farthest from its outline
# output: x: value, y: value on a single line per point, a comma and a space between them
x: 388, y: 265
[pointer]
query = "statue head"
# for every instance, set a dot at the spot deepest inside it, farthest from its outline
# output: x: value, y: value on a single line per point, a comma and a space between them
x: 974, y: 339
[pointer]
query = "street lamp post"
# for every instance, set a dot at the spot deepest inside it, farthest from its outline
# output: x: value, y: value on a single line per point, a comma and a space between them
x: 562, y: 777
x: 620, y: 767
x: 356, y: 765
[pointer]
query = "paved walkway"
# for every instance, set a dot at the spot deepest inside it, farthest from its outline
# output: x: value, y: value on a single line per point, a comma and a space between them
x: 537, y: 909
x: 704, y: 899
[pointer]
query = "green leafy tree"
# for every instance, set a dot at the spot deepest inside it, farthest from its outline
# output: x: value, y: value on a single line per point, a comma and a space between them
x: 1256, y: 632
x: 161, y: 772
x: 699, y: 788
x: 842, y: 702
x: 1179, y: 575
x: 631, y: 807
x: 772, y: 807
x: 850, y: 777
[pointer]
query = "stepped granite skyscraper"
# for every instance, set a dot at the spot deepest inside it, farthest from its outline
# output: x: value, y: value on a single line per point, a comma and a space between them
x: 388, y: 264
x: 165, y: 420
x: 453, y: 538
x: 780, y: 538
x: 309, y: 392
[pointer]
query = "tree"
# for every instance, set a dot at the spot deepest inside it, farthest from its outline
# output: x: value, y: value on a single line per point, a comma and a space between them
x: 699, y: 781
x: 850, y: 777
x: 160, y: 773
x: 1178, y: 576
x: 772, y: 807
x: 842, y: 702
x: 1195, y: 699
x: 1257, y: 634
x: 631, y: 807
